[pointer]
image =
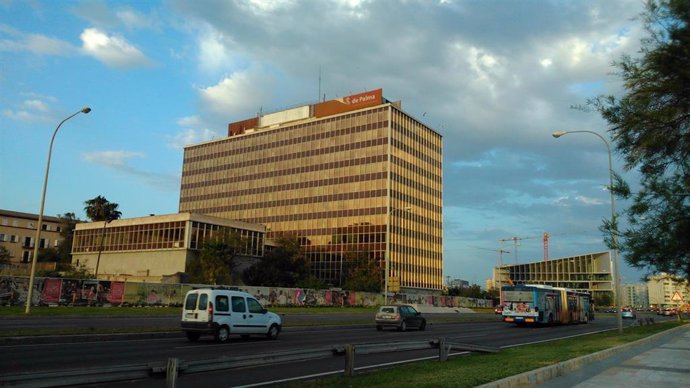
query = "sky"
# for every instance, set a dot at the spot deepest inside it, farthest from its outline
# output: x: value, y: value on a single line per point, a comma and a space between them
x: 494, y: 78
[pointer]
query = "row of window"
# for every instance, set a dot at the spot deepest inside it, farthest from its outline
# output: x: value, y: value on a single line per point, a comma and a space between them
x: 295, y: 171
x: 417, y: 132
x: 32, y: 225
x: 242, y: 163
x: 342, y: 127
x: 290, y: 142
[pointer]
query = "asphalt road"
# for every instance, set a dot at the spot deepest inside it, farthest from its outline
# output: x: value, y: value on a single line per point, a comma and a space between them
x: 104, y: 353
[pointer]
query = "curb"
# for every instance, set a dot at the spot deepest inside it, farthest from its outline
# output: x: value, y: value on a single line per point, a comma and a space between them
x: 544, y: 374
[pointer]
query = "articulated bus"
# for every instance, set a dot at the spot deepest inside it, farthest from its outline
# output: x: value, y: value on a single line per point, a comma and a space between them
x: 539, y: 304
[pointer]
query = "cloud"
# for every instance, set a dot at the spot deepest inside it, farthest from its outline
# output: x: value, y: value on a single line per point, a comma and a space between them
x: 195, y: 131
x: 36, y: 109
x: 114, y: 51
x: 120, y: 161
x: 116, y: 159
x: 242, y: 93
x: 15, y: 40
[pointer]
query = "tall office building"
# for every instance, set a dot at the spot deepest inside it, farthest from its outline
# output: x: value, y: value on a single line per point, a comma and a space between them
x: 350, y: 178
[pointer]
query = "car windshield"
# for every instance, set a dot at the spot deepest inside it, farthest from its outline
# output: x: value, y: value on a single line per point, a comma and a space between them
x: 389, y: 310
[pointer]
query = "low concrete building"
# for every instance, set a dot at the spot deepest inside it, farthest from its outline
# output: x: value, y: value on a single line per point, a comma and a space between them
x: 156, y: 248
x: 663, y: 286
x: 589, y: 272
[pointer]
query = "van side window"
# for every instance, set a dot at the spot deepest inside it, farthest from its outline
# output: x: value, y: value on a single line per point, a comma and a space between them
x: 222, y: 303
x: 203, y: 301
x: 190, y: 303
x: 238, y: 305
x: 254, y: 306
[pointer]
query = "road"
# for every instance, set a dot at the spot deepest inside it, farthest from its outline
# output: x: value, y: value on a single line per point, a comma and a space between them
x: 75, y: 355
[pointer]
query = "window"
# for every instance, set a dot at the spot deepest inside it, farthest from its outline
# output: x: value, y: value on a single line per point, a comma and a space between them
x: 190, y: 303
x: 254, y: 306
x: 222, y: 303
x: 238, y: 304
x: 203, y: 301
x: 2, y: 237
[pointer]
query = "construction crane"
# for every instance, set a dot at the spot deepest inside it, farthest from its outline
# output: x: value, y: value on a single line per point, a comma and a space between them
x: 515, y: 241
x: 500, y: 270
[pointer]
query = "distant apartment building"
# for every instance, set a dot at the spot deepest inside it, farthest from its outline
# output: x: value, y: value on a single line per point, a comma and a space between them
x: 352, y: 177
x: 457, y: 283
x: 635, y: 295
x: 662, y: 287
x: 18, y: 234
x: 156, y: 248
x: 588, y: 272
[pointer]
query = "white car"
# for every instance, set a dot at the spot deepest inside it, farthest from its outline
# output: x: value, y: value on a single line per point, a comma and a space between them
x: 628, y: 313
x: 222, y: 312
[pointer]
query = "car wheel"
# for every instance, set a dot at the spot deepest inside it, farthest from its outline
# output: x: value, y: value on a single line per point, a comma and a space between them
x: 222, y: 334
x: 273, y: 332
x: 193, y: 336
x: 423, y: 325
x: 403, y: 326
x: 379, y: 327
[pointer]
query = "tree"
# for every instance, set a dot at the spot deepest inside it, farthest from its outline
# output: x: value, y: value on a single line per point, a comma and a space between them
x: 284, y: 266
x: 4, y: 255
x: 68, y: 221
x: 650, y: 125
x: 215, y: 264
x: 362, y: 273
x: 100, y: 209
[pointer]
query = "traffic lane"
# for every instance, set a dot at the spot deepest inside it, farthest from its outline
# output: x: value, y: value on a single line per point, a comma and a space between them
x: 275, y: 374
x: 43, y: 357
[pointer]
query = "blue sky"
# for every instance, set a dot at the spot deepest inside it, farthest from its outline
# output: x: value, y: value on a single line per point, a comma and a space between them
x: 495, y: 78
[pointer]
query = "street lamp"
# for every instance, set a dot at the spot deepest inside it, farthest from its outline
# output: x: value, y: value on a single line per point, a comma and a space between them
x: 388, y: 247
x: 37, y: 239
x: 614, y: 226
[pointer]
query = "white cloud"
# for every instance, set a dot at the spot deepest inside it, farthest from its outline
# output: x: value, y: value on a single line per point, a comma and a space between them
x: 213, y: 55
x: 195, y: 131
x: 132, y: 19
x: 34, y: 43
x: 242, y: 93
x: 589, y: 201
x: 114, y: 51
x: 116, y: 159
x: 33, y: 110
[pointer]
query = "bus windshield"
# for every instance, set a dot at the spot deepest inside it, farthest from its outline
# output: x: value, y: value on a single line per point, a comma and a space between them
x: 517, y: 296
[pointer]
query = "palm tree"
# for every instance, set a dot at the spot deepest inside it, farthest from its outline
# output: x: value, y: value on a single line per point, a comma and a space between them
x: 100, y: 209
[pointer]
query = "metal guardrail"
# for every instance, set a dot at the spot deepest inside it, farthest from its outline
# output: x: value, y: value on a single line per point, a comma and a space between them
x: 174, y: 366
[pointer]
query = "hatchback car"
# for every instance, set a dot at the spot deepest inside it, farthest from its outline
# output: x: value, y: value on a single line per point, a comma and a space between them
x: 628, y: 313
x: 401, y: 317
x: 669, y: 312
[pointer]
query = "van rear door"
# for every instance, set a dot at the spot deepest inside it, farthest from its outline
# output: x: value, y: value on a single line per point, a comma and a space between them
x: 196, y: 307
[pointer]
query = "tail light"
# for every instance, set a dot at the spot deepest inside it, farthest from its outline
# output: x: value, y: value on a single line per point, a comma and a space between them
x: 210, y: 311
x: 397, y: 316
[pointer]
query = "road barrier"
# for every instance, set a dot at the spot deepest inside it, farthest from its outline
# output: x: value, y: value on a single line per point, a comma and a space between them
x: 173, y: 367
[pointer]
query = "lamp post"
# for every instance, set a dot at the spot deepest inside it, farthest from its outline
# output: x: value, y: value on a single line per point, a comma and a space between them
x: 37, y: 239
x: 388, y: 247
x: 614, y: 226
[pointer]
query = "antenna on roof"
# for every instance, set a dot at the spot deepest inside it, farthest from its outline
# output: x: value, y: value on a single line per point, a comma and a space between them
x: 319, y: 95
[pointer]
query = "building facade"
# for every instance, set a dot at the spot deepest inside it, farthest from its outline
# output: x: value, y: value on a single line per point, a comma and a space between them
x: 635, y: 295
x: 155, y: 247
x: 18, y: 234
x: 662, y: 287
x: 351, y: 177
x: 589, y: 272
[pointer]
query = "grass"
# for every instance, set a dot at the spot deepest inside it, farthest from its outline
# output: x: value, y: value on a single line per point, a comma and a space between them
x: 484, y: 368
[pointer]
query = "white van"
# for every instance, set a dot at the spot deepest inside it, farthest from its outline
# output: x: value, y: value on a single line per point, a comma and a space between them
x: 222, y: 312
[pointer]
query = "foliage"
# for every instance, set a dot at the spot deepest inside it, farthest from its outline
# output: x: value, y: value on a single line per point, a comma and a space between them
x: 284, y: 266
x: 362, y: 272
x: 603, y: 299
x: 68, y: 221
x: 473, y: 291
x: 4, y: 255
x: 216, y: 261
x: 100, y: 209
x: 311, y: 282
x: 650, y: 125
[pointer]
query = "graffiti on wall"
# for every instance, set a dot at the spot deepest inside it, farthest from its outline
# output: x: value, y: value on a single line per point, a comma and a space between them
x: 77, y: 292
